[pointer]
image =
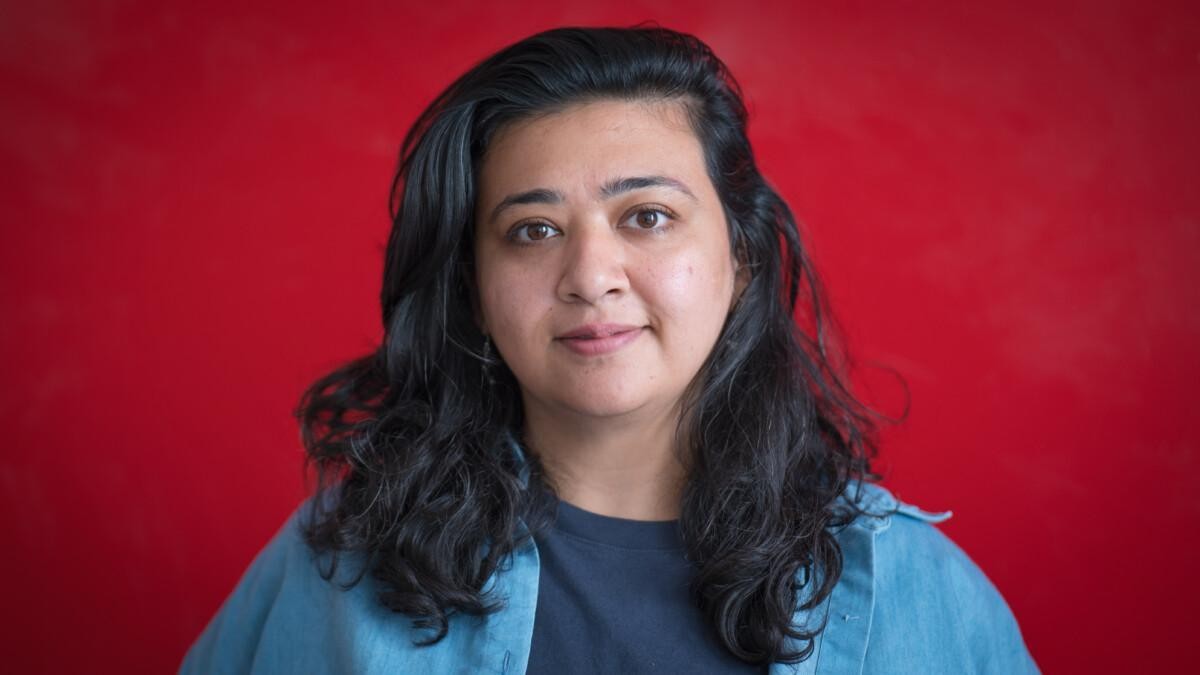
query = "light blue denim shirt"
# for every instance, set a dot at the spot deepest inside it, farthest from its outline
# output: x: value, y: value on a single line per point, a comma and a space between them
x: 908, y: 601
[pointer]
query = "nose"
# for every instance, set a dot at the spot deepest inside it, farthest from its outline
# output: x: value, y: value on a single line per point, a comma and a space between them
x: 594, y: 267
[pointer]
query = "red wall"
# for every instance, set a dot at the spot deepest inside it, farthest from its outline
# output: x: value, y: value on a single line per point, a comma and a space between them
x: 1004, y: 203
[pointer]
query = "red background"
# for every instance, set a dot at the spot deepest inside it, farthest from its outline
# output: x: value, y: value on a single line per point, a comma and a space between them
x: 1004, y: 204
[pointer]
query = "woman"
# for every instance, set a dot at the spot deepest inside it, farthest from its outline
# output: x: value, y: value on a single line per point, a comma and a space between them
x: 594, y: 438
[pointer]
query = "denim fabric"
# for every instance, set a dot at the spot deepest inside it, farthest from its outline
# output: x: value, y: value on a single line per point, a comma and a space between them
x: 908, y: 601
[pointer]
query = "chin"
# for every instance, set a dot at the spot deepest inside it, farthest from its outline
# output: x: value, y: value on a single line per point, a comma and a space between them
x: 599, y: 402
x: 601, y: 411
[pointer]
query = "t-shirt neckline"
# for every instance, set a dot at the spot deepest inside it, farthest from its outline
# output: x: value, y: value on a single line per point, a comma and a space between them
x: 647, y: 535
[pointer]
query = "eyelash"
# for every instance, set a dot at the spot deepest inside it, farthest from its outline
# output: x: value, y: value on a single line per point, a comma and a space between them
x: 660, y: 210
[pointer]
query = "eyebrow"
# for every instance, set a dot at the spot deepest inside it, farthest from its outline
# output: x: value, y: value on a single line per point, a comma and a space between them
x: 610, y: 189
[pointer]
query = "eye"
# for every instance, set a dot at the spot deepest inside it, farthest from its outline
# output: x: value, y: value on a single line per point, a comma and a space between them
x: 650, y: 218
x: 530, y: 232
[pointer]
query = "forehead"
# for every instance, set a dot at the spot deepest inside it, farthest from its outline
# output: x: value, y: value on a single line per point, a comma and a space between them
x: 589, y: 143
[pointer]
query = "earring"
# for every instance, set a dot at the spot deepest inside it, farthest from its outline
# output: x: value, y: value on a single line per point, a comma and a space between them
x: 487, y: 360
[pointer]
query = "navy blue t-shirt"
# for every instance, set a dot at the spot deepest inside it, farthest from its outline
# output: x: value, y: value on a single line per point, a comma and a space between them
x: 613, y: 598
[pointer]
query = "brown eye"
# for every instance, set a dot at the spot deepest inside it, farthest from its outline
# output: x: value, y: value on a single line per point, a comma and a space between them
x: 648, y: 218
x: 651, y: 219
x: 531, y: 232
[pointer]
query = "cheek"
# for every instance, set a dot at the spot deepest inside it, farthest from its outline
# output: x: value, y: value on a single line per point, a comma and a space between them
x: 510, y: 303
x: 690, y: 286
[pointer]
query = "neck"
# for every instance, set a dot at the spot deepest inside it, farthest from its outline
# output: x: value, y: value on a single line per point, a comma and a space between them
x: 624, y: 466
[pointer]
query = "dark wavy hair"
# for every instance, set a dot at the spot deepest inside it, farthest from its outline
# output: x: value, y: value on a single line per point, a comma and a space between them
x: 408, y: 443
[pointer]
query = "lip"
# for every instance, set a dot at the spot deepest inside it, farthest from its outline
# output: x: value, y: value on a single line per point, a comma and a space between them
x: 599, y: 338
x: 598, y: 330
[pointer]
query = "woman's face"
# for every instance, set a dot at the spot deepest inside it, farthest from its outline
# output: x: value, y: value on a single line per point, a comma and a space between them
x: 603, y: 260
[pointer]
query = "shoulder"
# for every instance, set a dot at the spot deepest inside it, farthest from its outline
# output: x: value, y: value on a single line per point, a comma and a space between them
x: 292, y: 612
x: 285, y: 616
x: 918, y: 569
x: 905, y: 542
x: 911, y: 600
x: 229, y: 640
